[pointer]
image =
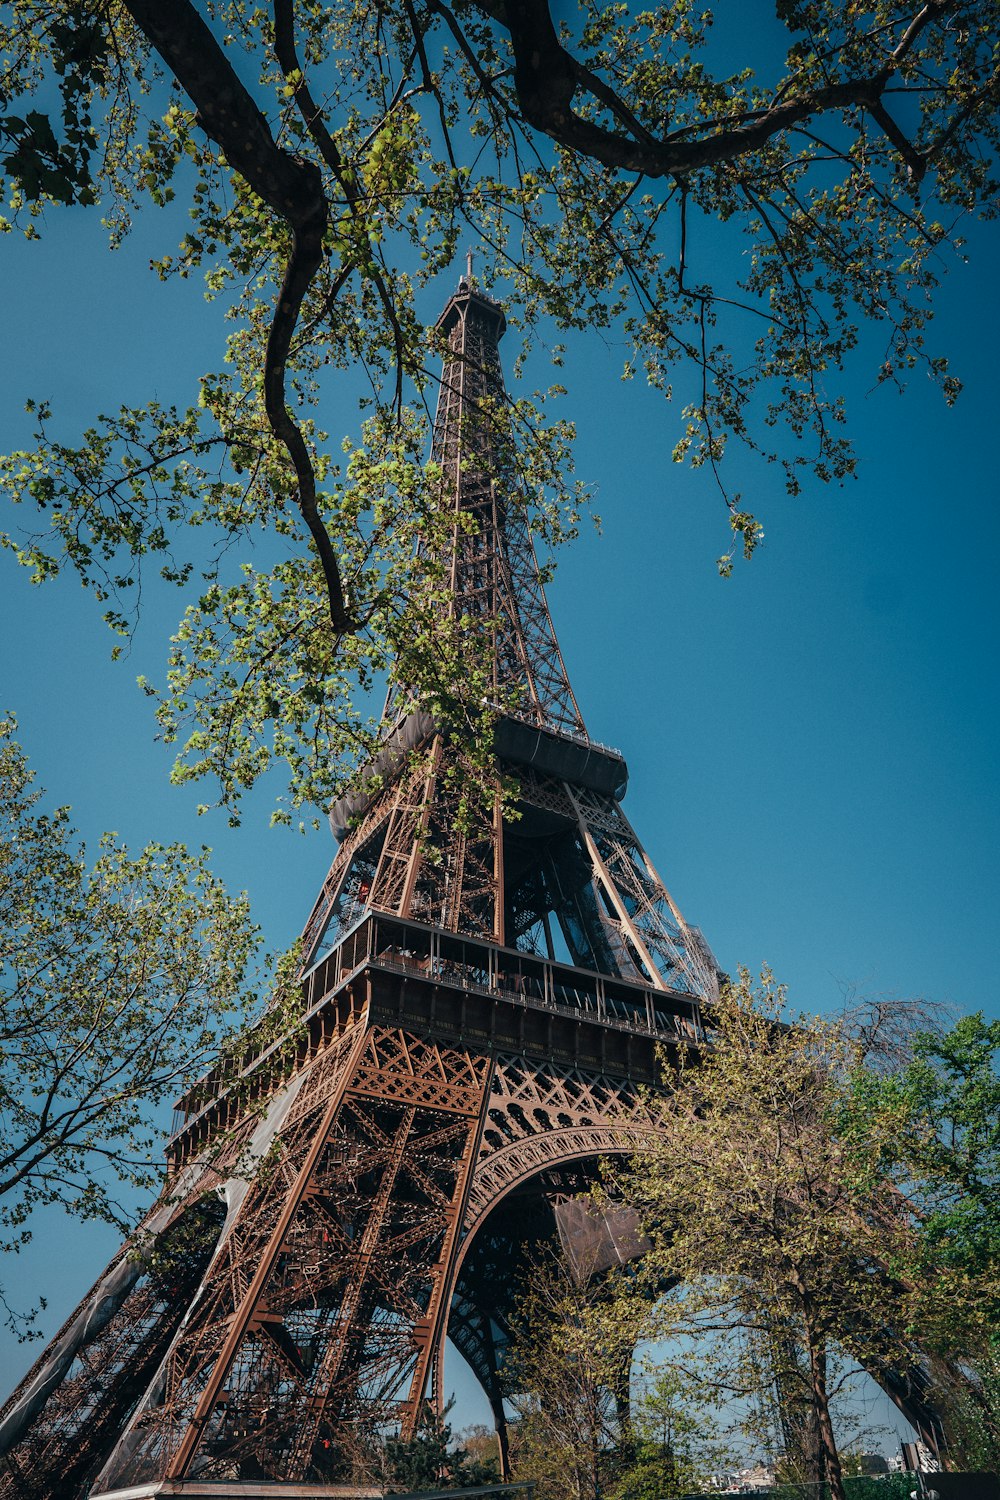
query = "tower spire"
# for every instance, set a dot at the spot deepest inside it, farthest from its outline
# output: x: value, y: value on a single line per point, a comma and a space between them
x: 494, y: 570
x: 567, y: 872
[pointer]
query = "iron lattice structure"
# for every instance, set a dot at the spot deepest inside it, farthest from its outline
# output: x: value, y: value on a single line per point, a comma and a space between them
x: 481, y: 1000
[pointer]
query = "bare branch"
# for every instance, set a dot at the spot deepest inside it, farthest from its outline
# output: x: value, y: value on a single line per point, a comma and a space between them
x: 293, y: 188
x: 547, y: 76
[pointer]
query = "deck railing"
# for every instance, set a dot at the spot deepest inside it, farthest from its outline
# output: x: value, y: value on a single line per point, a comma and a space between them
x: 477, y: 967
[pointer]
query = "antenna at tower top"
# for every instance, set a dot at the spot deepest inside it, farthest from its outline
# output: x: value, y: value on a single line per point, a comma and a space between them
x: 468, y: 267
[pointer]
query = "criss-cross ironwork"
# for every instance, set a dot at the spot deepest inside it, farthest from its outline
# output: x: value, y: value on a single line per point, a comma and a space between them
x: 481, y: 997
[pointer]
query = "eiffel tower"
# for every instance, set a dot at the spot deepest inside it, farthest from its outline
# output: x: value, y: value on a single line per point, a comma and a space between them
x: 482, y: 997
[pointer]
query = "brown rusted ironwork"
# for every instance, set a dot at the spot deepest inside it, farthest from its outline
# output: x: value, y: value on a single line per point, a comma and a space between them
x: 481, y: 999
x: 570, y: 873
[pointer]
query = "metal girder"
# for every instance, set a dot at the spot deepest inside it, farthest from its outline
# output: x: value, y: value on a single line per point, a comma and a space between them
x: 319, y: 1313
x: 492, y: 566
x: 361, y: 1171
x: 109, y: 1369
x: 541, y: 1115
x: 320, y: 1307
x: 321, y: 1310
x: 426, y: 850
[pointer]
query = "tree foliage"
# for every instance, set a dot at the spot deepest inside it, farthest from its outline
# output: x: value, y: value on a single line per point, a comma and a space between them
x: 567, y: 1374
x: 932, y: 1127
x: 593, y: 1418
x: 625, y: 169
x: 676, y: 1436
x: 941, y: 1139
x: 778, y: 1225
x: 119, y: 980
x: 820, y: 1195
x: 433, y: 1459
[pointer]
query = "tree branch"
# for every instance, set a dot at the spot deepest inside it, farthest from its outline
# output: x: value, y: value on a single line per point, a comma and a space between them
x: 546, y: 77
x: 293, y: 188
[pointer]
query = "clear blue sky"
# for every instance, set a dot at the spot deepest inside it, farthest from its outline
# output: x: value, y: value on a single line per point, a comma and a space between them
x: 811, y: 743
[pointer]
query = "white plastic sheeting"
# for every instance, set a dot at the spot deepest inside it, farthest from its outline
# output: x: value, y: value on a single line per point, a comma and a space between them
x: 114, y: 1287
x: 233, y: 1192
x: 94, y: 1315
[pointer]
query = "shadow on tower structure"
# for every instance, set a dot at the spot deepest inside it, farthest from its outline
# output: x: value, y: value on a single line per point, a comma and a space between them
x: 481, y: 999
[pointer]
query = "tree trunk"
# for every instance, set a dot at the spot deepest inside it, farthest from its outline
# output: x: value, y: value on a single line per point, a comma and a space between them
x: 824, y: 1425
x: 623, y: 1410
x: 796, y: 1410
x: 595, y: 1444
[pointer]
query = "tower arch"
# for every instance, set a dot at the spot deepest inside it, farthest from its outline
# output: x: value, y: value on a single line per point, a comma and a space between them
x: 542, y: 1117
x: 482, y: 997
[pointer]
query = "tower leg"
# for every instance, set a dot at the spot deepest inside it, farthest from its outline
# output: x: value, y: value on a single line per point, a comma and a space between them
x: 60, y: 1422
x: 316, y: 1322
x: 503, y: 1441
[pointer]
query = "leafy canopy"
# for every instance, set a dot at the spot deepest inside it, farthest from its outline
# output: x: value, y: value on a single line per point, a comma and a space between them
x: 593, y: 1417
x: 433, y: 1459
x: 941, y: 1140
x: 736, y: 222
x: 119, y: 980
x: 567, y: 1375
x: 782, y: 1227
